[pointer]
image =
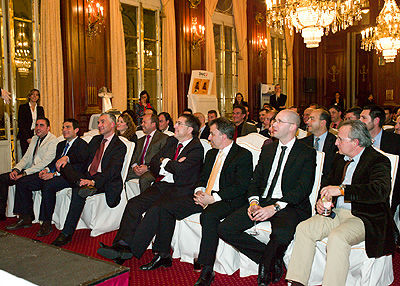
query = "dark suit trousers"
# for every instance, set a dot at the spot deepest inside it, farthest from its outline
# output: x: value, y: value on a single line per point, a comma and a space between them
x: 210, y: 218
x: 5, y: 182
x: 145, y: 180
x: 138, y: 231
x: 23, y: 195
x: 283, y: 223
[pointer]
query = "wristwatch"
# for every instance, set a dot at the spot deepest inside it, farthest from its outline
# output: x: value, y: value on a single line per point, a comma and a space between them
x: 342, y: 188
x: 277, y: 207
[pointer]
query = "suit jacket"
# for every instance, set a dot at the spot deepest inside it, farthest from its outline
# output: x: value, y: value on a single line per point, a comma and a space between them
x: 156, y: 143
x: 78, y: 155
x: 297, y: 177
x: 329, y: 149
x: 109, y: 180
x: 25, y: 120
x: 205, y: 133
x: 277, y: 103
x: 45, y: 153
x: 186, y: 173
x: 235, y: 174
x: 265, y: 133
x: 369, y: 196
x: 247, y: 129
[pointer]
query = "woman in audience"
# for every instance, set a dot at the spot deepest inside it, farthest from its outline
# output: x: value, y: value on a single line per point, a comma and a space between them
x: 144, y: 103
x: 132, y: 114
x: 239, y: 100
x: 397, y: 126
x: 338, y: 100
x: 126, y: 127
x: 27, y: 115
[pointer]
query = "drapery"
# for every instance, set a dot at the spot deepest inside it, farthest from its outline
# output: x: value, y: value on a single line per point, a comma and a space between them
x: 289, y: 38
x: 239, y: 14
x: 169, y: 75
x: 270, y: 67
x: 118, y: 58
x: 210, y: 6
x: 51, y: 64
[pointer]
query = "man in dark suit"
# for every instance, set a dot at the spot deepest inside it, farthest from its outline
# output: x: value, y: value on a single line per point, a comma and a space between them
x: 278, y: 99
x: 242, y: 128
x: 103, y: 175
x: 321, y: 140
x: 177, y: 166
x: 359, y: 185
x: 221, y: 190
x: 204, y: 131
x: 279, y: 192
x: 145, y: 149
x: 40, y: 153
x: 49, y: 180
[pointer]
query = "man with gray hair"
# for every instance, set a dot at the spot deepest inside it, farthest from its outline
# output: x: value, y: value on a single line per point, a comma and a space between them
x: 358, y: 188
x: 103, y: 175
x: 278, y: 192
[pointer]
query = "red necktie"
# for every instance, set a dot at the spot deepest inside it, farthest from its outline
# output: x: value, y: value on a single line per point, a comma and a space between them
x: 235, y: 134
x: 144, y: 150
x: 178, y: 149
x: 97, y: 158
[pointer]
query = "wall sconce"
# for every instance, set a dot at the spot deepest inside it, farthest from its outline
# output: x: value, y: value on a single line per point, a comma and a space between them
x: 197, y: 32
x: 95, y: 17
x: 262, y: 43
x: 194, y: 3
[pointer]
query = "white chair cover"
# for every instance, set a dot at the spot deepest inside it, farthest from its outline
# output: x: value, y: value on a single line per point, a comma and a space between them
x: 301, y: 133
x: 249, y: 267
x: 386, y: 127
x: 254, y: 139
x: 87, y: 136
x: 363, y: 270
x: 132, y: 188
x: 139, y: 134
x: 206, y: 146
x: 169, y: 133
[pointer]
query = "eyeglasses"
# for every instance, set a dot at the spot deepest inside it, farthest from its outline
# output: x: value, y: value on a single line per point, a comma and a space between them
x: 340, y: 139
x: 179, y: 123
x: 280, y: 121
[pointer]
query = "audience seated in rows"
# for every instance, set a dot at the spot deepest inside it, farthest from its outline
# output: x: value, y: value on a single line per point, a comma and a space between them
x: 165, y: 122
x: 242, y: 128
x: 204, y: 130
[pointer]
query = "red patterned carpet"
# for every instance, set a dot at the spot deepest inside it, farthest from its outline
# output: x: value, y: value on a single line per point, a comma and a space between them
x: 180, y: 274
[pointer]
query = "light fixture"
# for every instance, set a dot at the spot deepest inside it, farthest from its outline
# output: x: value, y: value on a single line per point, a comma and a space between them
x: 313, y: 17
x: 385, y: 36
x: 95, y: 14
x: 262, y: 44
x: 23, y: 57
x: 197, y: 32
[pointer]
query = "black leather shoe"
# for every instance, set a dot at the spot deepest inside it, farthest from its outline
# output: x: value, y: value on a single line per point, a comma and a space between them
x: 278, y: 271
x: 62, y: 240
x: 157, y: 262
x: 87, y: 191
x: 196, y: 266
x: 264, y: 277
x: 119, y: 261
x: 21, y: 223
x: 45, y: 229
x: 115, y: 252
x: 206, y: 278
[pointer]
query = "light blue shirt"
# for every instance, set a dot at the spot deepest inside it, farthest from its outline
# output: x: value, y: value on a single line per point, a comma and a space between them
x: 321, y: 141
x: 348, y: 178
x: 377, y: 140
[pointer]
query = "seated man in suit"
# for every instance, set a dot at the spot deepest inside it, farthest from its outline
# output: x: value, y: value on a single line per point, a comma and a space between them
x: 242, y: 128
x: 261, y: 116
x: 278, y: 192
x: 40, y: 153
x: 221, y: 190
x: 102, y: 174
x: 204, y: 131
x: 320, y: 139
x: 49, y: 181
x: 165, y: 122
x: 178, y: 166
x: 146, y: 147
x: 359, y: 186
x: 353, y: 113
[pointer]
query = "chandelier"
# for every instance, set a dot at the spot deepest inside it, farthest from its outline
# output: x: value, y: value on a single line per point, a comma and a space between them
x: 22, y: 52
x: 313, y: 18
x: 385, y: 36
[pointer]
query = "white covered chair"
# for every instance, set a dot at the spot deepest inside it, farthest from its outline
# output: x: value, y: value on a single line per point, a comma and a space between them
x: 363, y: 270
x: 97, y: 215
x: 254, y: 139
x: 139, y: 134
x: 249, y: 267
x: 169, y: 133
x: 206, y: 146
x: 301, y: 133
x: 186, y: 241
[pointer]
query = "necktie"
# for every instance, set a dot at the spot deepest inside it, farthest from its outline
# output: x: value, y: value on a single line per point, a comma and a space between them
x: 146, y: 145
x: 97, y: 158
x: 178, y: 149
x: 235, y: 135
x: 38, y: 142
x: 316, y: 144
x: 276, y: 175
x: 214, y: 172
x: 65, y: 149
x: 345, y: 169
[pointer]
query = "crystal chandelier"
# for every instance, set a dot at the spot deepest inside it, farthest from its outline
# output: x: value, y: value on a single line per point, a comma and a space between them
x: 385, y: 37
x: 313, y: 18
x: 22, y: 52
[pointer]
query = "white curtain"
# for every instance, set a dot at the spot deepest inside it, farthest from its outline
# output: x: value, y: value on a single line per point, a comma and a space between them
x: 210, y: 6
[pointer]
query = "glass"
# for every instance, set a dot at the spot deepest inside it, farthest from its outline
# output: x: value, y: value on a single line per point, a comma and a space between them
x: 131, y: 51
x: 340, y: 139
x: 129, y: 19
x: 280, y: 121
x: 150, y: 85
x: 149, y: 24
x: 228, y: 38
x: 23, y: 9
x: 132, y: 86
x: 327, y: 202
x: 150, y: 54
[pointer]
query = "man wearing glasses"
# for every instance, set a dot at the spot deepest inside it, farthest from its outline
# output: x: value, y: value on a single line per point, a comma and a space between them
x: 176, y: 168
x: 359, y: 186
x: 279, y: 192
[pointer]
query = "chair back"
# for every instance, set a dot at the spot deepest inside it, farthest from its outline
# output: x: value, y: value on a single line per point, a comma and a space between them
x: 206, y: 146
x: 317, y: 182
x: 254, y: 139
x: 139, y: 134
x: 301, y: 133
x: 169, y: 133
x: 130, y: 146
x: 87, y: 136
x: 255, y: 151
